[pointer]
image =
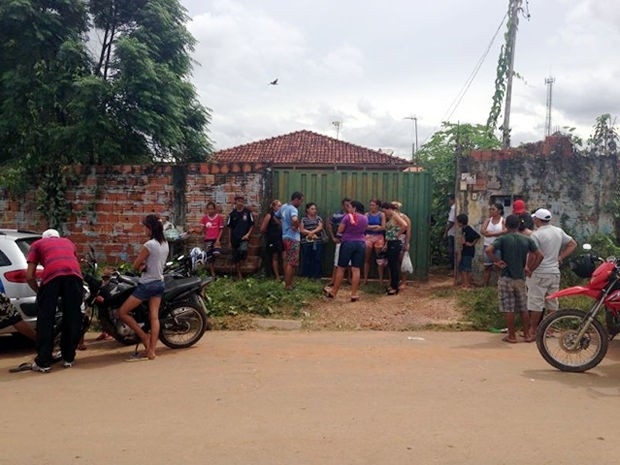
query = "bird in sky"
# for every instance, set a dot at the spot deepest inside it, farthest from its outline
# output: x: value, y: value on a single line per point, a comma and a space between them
x: 274, y: 82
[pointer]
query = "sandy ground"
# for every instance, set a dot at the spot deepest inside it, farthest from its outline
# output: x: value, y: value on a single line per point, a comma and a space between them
x: 322, y: 397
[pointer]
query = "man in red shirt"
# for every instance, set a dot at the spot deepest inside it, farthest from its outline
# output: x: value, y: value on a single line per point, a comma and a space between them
x: 62, y: 277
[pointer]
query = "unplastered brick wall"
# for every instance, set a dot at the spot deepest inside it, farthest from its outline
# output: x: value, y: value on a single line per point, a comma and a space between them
x: 108, y: 204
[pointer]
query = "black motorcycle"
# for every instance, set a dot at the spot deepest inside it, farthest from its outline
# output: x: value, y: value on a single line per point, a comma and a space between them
x: 182, y: 313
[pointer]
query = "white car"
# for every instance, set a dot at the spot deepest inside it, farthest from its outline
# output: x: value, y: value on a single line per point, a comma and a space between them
x: 14, y: 247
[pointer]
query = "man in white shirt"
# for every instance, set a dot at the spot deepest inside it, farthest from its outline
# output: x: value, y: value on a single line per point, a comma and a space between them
x: 555, y: 246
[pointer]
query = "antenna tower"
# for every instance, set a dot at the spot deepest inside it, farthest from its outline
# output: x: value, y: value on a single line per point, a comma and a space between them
x: 549, y: 82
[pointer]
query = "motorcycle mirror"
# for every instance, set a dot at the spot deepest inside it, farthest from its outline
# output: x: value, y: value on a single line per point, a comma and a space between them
x: 586, y: 246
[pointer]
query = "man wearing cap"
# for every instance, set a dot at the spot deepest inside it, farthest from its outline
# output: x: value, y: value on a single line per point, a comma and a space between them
x: 555, y: 246
x: 527, y: 225
x: 240, y: 223
x: 61, y: 278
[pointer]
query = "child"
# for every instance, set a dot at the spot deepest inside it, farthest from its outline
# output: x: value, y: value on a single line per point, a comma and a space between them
x: 470, y: 237
x: 212, y: 224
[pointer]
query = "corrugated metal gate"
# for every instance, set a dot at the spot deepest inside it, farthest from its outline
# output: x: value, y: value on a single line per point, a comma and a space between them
x: 327, y: 188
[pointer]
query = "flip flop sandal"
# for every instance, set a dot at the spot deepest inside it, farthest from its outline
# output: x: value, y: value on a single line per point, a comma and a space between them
x: 135, y: 357
x: 26, y: 366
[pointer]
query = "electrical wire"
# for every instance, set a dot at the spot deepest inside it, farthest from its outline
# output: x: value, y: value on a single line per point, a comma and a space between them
x: 457, y: 100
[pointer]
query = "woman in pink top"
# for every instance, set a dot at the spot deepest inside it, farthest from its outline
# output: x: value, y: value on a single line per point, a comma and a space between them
x: 351, y: 232
x: 213, y: 225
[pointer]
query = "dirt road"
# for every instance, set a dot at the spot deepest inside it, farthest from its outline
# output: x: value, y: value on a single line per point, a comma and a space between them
x: 341, y: 398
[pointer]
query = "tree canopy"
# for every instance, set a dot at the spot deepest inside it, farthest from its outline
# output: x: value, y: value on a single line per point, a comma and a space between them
x: 97, y: 81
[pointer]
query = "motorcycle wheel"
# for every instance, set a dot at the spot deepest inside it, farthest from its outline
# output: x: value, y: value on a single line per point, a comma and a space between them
x: 556, y: 339
x: 182, y: 325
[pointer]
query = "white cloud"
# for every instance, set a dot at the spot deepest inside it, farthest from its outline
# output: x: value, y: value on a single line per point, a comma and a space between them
x: 371, y: 64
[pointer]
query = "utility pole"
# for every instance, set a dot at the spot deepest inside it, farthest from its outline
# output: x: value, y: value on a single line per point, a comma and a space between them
x: 414, y: 145
x: 513, y: 22
x: 337, y: 125
x: 549, y: 82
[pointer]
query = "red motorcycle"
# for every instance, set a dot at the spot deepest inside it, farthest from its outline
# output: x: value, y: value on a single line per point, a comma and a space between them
x: 574, y: 340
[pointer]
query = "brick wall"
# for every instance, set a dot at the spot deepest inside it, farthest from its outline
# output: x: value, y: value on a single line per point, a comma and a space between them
x: 108, y: 204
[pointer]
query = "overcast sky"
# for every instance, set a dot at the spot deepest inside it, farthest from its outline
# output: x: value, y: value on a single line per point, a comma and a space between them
x: 369, y: 64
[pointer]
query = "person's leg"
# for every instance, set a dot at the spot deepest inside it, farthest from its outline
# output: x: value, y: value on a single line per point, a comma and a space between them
x: 275, y: 265
x: 510, y: 324
x: 367, y: 257
x: 393, y: 254
x: 123, y: 313
x: 451, y: 252
x: 47, y: 300
x: 486, y: 276
x: 154, y: 303
x: 337, y: 281
x: 25, y: 330
x: 306, y: 259
x: 535, y: 304
x: 357, y: 261
x: 71, y: 291
x: 317, y: 256
x: 335, y: 269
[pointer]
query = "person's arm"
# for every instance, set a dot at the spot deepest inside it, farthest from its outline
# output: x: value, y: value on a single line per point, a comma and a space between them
x: 31, y: 273
x: 294, y: 222
x: 483, y: 229
x: 265, y: 224
x: 567, y: 250
x: 533, y: 260
x: 399, y: 220
x: 220, y: 225
x: 490, y: 251
x: 407, y: 233
x: 140, y: 262
x: 330, y: 231
x: 247, y: 235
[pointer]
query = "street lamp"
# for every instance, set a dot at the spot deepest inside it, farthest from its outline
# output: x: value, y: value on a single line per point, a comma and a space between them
x: 414, y: 145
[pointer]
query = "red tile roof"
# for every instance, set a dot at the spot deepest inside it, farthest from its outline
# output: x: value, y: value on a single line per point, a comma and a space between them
x: 307, y: 148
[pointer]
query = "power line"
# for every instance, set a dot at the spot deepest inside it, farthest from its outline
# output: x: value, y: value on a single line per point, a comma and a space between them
x: 457, y: 100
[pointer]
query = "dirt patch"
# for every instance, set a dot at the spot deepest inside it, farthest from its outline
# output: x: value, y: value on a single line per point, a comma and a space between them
x: 419, y: 305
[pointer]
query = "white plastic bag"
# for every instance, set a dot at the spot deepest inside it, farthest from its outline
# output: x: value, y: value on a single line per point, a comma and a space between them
x: 406, y: 266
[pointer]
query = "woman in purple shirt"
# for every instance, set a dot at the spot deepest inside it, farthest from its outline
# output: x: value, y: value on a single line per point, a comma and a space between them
x: 351, y: 232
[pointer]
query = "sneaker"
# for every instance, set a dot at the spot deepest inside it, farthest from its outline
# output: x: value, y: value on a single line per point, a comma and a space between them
x: 56, y: 356
x: 67, y: 364
x: 36, y: 367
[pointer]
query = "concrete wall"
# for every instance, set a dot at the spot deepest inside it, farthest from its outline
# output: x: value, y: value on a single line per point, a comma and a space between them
x: 577, y: 189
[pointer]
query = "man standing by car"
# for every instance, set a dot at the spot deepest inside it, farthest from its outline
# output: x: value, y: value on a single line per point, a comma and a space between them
x: 61, y: 277
x: 555, y: 246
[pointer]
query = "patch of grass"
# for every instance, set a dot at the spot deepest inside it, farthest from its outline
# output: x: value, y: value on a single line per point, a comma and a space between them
x: 481, y: 308
x: 260, y: 296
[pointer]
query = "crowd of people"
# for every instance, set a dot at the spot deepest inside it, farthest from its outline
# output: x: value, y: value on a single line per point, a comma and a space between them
x: 295, y: 236
x: 525, y: 249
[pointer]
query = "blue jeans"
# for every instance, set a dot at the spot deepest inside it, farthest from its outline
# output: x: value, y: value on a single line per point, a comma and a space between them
x: 312, y: 259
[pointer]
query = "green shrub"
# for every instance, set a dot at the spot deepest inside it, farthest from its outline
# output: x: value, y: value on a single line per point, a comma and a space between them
x: 259, y: 296
x: 482, y: 308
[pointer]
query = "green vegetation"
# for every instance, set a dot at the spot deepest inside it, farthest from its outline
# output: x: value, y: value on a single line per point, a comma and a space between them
x: 67, y: 99
x: 260, y: 296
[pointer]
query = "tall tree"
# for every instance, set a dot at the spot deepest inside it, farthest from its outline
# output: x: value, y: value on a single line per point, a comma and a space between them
x: 439, y: 156
x: 65, y: 99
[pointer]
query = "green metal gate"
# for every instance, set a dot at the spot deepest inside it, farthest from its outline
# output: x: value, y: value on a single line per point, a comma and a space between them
x: 328, y: 188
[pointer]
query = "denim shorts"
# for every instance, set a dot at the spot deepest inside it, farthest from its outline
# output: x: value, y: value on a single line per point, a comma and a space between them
x: 145, y: 291
x: 352, y: 253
